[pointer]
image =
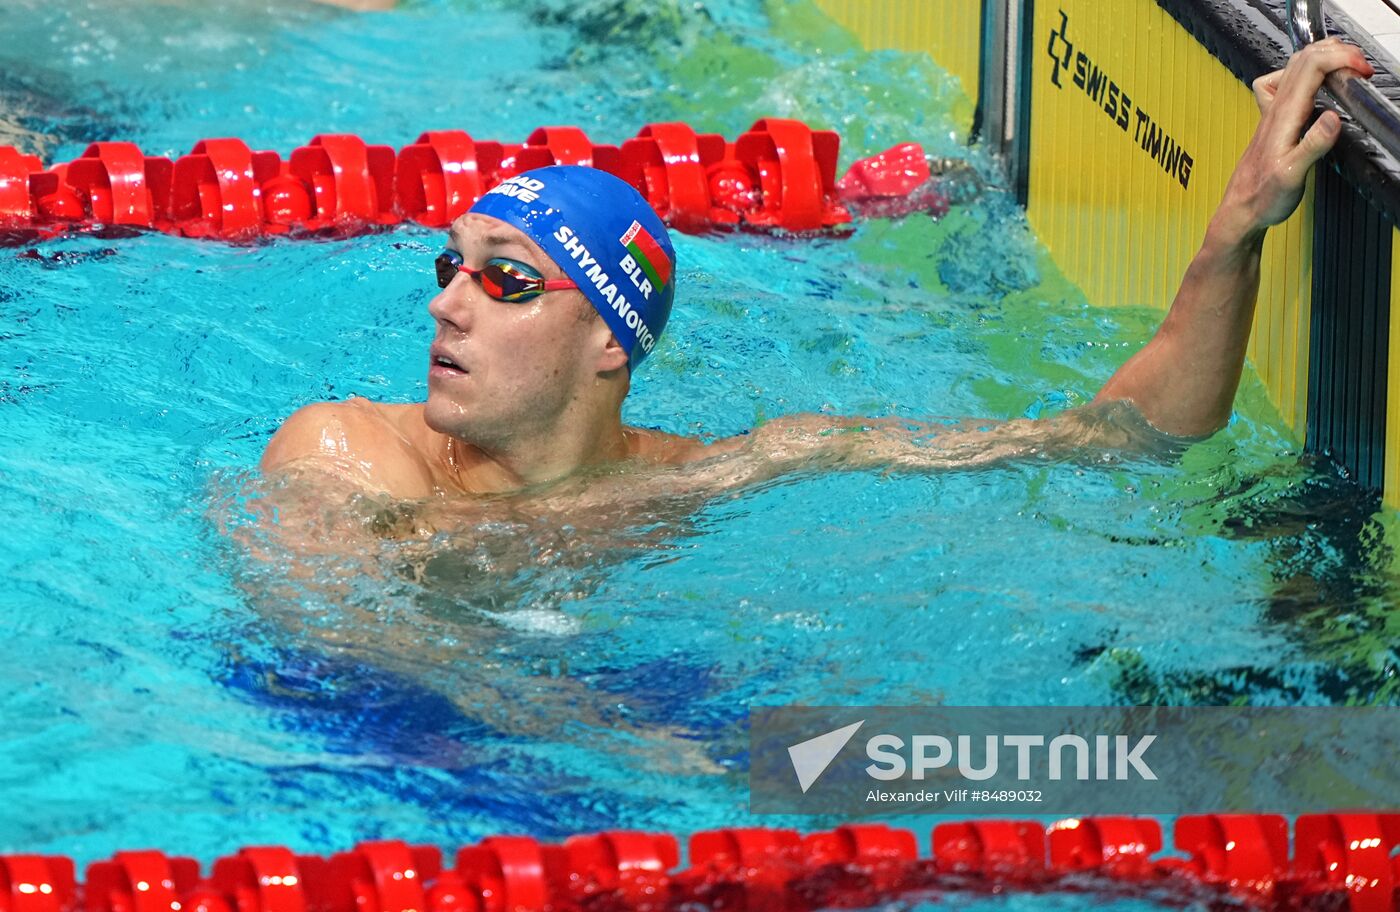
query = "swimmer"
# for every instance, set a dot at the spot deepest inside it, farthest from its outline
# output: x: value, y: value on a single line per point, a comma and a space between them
x: 557, y: 285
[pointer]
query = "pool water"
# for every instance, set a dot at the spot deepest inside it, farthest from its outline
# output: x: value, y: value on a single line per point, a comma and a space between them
x: 166, y: 686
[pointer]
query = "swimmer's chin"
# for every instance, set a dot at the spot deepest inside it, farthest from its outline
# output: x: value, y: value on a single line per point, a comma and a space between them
x: 436, y: 420
x: 444, y: 416
x: 471, y: 431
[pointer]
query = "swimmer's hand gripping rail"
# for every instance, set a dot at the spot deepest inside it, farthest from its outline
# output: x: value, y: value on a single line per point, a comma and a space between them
x: 1355, y: 94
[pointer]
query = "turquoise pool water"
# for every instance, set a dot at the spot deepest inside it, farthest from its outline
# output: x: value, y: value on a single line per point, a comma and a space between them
x: 163, y: 688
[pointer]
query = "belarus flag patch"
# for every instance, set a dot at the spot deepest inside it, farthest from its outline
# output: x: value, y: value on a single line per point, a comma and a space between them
x: 648, y: 254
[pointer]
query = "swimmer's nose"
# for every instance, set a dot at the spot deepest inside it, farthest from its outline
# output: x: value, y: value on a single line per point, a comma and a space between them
x: 452, y: 305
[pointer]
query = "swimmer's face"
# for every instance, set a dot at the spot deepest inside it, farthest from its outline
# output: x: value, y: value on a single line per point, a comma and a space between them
x: 515, y: 367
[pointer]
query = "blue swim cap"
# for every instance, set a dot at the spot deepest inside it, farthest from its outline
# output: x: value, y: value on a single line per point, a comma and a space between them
x: 605, y: 237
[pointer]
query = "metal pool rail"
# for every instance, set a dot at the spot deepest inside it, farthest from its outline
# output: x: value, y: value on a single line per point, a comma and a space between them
x: 1357, y: 96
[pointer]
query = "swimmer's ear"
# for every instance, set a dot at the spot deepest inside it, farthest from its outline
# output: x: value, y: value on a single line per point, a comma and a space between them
x: 613, y: 356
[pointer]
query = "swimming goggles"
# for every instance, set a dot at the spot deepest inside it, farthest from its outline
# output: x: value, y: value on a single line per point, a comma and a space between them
x: 504, y: 280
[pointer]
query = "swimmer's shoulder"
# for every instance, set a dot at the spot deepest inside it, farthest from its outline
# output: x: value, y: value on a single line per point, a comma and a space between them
x: 371, y: 444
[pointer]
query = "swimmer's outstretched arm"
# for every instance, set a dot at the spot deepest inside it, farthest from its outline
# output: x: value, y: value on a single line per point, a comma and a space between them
x: 1180, y: 385
x: 1184, y: 380
x: 797, y: 443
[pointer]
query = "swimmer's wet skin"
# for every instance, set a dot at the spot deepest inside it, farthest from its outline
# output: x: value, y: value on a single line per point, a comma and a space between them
x: 528, y: 391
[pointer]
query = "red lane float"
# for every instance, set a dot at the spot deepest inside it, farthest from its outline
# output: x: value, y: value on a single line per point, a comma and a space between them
x: 1350, y: 853
x: 1001, y: 848
x: 1340, y: 861
x: 267, y: 879
x: 796, y: 168
x: 778, y: 175
x: 218, y: 189
x: 351, y: 183
x: 621, y: 869
x: 870, y: 844
x: 1236, y: 850
x: 504, y: 873
x: 442, y: 173
x: 386, y: 875
x: 671, y: 165
x: 120, y: 186
x: 745, y: 868
x: 898, y: 181
x: 15, y: 169
x: 54, y: 199
x: 1123, y: 845
x: 144, y: 881
x: 37, y: 883
x: 564, y: 146
x: 858, y: 865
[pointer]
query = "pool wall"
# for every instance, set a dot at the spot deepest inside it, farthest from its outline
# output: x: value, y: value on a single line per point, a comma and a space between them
x: 1120, y: 130
x: 949, y: 31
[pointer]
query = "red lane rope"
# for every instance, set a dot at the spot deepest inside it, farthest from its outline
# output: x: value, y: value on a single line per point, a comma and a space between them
x: 780, y: 174
x: 1340, y: 861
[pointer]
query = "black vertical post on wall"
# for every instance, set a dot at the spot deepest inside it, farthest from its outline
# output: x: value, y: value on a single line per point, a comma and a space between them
x: 1020, y: 155
x: 1350, y: 346
x: 986, y: 70
x: 1003, y: 116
